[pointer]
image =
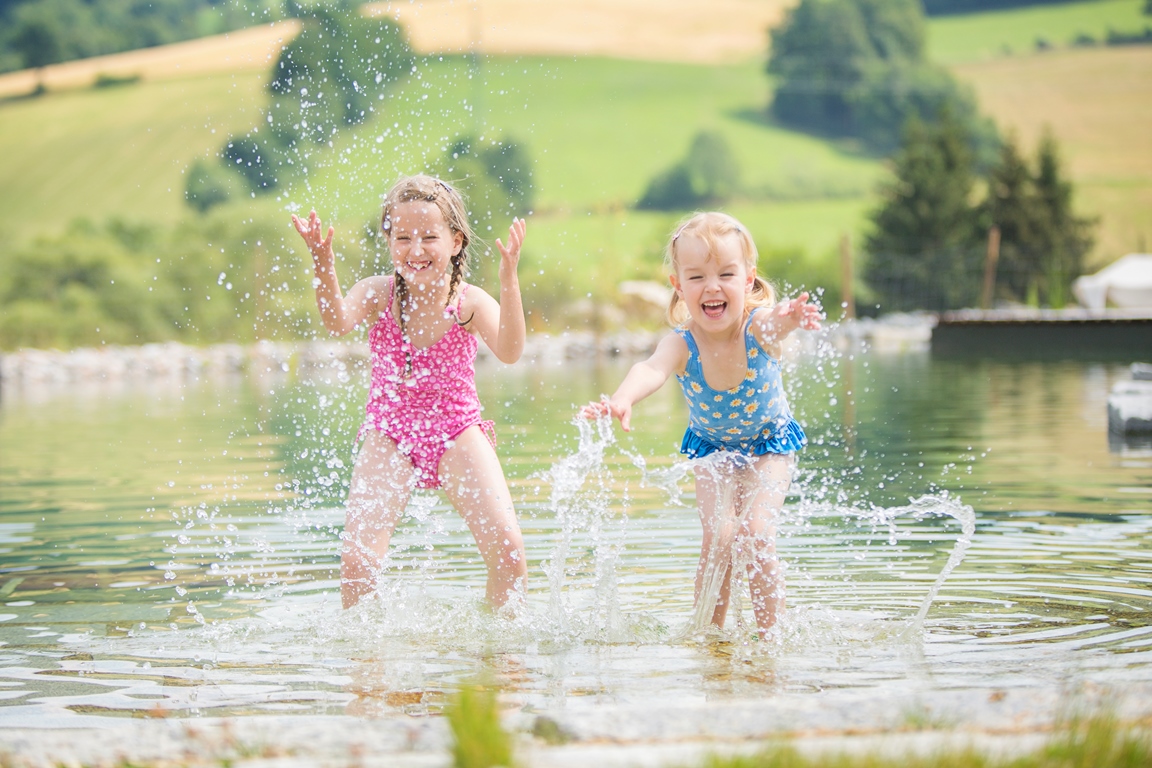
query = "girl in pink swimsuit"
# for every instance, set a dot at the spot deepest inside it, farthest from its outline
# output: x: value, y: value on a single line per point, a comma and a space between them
x: 423, y: 427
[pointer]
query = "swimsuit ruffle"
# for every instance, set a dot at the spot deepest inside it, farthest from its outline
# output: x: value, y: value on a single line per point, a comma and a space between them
x: 788, y: 439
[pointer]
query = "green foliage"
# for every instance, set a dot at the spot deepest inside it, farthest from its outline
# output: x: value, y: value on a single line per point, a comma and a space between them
x: 260, y: 162
x: 1043, y: 243
x: 926, y: 250
x: 1064, y: 238
x: 205, y: 280
x: 335, y: 70
x: 709, y: 175
x: 922, y: 252
x: 41, y: 32
x: 210, y: 184
x: 479, y: 741
x: 332, y: 75
x: 858, y: 68
x: 495, y: 177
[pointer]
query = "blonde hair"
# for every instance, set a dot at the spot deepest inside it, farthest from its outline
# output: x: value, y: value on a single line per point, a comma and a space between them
x: 422, y: 188
x: 710, y: 227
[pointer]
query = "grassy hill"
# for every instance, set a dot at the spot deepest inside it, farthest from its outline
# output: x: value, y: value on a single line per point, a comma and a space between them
x: 598, y: 129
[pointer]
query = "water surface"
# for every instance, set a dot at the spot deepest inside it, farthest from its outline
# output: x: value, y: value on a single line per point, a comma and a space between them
x: 171, y: 548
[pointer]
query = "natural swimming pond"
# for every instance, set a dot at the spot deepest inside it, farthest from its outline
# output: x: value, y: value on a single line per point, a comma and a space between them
x: 171, y: 548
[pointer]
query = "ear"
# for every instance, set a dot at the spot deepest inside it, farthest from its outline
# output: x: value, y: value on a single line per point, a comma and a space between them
x: 751, y: 280
x: 675, y: 280
x: 457, y: 242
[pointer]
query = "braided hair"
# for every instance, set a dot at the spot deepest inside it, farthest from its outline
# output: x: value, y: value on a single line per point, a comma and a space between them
x: 422, y: 188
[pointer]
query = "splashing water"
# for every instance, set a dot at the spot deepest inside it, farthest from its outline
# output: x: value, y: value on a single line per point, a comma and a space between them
x: 734, y: 556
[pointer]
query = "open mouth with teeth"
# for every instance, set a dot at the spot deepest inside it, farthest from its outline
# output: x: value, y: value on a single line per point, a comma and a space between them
x: 419, y: 266
x: 714, y: 308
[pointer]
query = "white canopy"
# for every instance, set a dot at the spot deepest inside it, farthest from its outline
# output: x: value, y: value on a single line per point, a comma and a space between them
x: 1125, y: 283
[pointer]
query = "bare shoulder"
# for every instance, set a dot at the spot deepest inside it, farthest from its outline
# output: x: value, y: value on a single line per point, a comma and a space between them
x: 671, y: 353
x: 476, y: 304
x: 376, y: 287
x: 372, y: 293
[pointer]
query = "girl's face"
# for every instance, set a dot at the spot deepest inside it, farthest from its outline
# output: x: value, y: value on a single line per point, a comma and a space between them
x: 422, y: 244
x: 712, y: 284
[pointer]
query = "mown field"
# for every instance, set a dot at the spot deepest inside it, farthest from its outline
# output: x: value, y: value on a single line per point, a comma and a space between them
x: 969, y: 37
x: 598, y: 129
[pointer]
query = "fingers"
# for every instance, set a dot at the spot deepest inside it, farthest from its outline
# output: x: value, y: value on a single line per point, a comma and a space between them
x: 515, y: 239
x: 608, y: 408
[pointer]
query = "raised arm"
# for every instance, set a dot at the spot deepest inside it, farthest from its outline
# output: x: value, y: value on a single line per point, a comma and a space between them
x: 643, y: 379
x: 772, y: 327
x: 339, y: 313
x: 501, y: 325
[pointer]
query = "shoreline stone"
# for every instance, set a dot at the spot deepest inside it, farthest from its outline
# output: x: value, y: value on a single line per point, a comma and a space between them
x: 176, y: 362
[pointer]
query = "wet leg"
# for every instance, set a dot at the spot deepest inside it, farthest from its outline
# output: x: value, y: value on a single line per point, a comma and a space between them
x: 714, y: 501
x: 760, y: 497
x: 472, y: 478
x: 382, y: 482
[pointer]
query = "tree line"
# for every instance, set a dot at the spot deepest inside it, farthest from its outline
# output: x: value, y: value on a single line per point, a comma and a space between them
x: 36, y: 33
x: 217, y: 276
x: 857, y: 70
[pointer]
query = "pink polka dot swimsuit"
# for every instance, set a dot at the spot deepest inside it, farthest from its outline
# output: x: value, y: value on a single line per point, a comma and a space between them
x: 423, y: 398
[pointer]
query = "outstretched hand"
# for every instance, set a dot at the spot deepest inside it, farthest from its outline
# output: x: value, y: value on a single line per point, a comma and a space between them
x: 320, y: 245
x: 798, y: 313
x: 597, y: 409
x: 510, y: 254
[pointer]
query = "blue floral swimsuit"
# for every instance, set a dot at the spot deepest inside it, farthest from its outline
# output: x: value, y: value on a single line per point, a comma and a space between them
x: 752, y: 418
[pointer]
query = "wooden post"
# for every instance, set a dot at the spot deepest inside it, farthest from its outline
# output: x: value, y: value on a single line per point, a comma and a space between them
x: 847, y: 287
x: 990, y: 260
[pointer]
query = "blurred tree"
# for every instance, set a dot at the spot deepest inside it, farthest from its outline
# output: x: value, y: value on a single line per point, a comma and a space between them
x: 709, y: 174
x: 108, y: 283
x: 1013, y: 206
x: 495, y: 177
x: 209, y: 184
x: 38, y: 41
x: 859, y: 68
x: 1065, y: 238
x: 81, y: 28
x: 330, y: 76
x: 924, y: 249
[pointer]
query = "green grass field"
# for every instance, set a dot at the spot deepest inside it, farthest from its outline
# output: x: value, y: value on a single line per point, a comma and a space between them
x: 972, y: 37
x: 598, y: 130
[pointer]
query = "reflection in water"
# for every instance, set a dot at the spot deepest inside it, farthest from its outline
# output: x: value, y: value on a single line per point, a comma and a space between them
x: 175, y: 550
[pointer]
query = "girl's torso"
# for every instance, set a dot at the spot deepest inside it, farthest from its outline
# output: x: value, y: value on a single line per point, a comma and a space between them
x: 420, y: 370
x: 753, y: 407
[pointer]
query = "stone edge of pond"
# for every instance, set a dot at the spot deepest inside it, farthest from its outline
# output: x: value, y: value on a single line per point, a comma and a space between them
x: 995, y: 722
x: 179, y: 362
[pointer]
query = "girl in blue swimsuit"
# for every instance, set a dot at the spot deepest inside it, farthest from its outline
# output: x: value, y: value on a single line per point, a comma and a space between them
x: 725, y: 352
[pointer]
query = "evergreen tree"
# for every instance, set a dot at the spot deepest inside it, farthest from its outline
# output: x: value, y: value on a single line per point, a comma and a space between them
x: 1065, y: 238
x: 923, y: 252
x: 1042, y: 241
x: 1013, y: 206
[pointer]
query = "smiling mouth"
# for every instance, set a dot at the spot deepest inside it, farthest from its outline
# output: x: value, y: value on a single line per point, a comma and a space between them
x: 714, y: 308
x: 419, y: 266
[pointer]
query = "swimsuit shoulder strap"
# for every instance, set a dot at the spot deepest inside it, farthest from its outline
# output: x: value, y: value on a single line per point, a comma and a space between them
x: 693, y: 367
x: 750, y: 340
